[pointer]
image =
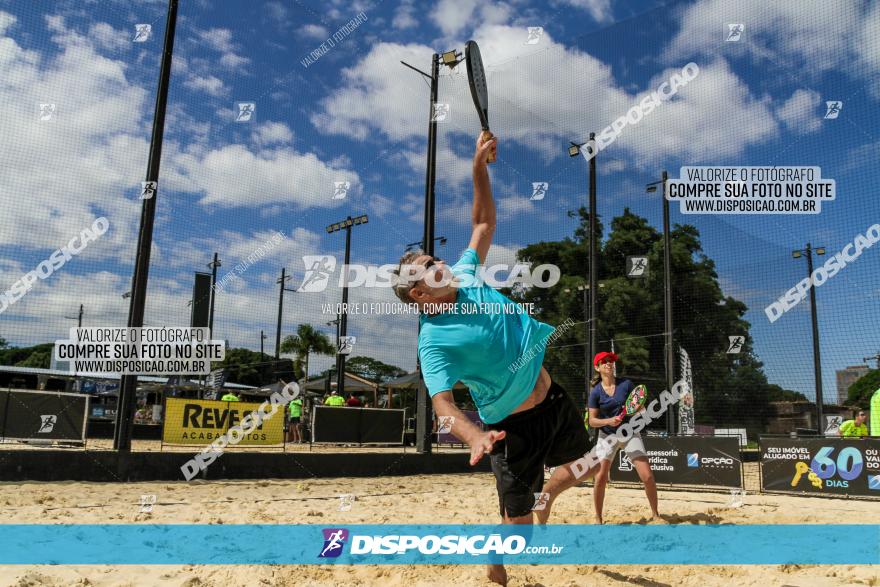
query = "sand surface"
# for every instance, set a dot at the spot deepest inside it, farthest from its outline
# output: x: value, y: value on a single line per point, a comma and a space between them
x: 467, y: 498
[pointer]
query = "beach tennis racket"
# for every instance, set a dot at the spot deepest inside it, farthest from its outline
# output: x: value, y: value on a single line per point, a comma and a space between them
x: 479, y: 90
x: 634, y: 401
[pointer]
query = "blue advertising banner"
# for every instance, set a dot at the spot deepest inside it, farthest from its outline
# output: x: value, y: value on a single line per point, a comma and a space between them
x: 109, y: 544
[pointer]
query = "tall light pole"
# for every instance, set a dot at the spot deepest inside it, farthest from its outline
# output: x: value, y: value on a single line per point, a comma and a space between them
x: 669, y: 354
x: 345, y: 225
x: 574, y: 150
x: 281, y: 289
x: 128, y: 387
x: 817, y: 362
x: 424, y: 413
x: 262, y: 338
x: 78, y: 317
x: 213, y: 267
x: 587, y: 363
x: 421, y: 244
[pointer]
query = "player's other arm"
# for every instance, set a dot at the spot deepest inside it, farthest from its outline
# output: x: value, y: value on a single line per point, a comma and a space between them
x: 480, y: 442
x: 483, y: 211
x: 597, y: 422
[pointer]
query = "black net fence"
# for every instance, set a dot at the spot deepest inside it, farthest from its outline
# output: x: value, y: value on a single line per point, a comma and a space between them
x: 284, y: 120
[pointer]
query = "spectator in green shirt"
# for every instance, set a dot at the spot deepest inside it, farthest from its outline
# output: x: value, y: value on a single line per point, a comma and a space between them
x: 334, y: 400
x: 295, y: 409
x: 855, y: 428
x: 229, y: 397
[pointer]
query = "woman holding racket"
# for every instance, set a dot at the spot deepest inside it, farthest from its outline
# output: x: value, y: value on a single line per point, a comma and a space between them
x: 607, y: 411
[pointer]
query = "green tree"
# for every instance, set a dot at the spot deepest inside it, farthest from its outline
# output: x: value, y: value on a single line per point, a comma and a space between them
x: 3, y: 343
x: 21, y: 356
x: 373, y: 369
x: 306, y: 341
x: 731, y: 389
x: 247, y: 367
x: 860, y: 392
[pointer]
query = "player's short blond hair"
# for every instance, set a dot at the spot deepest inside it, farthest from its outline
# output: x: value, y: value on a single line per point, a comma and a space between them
x: 404, y: 284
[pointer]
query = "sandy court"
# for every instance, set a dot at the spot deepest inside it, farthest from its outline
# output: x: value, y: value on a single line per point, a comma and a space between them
x: 468, y: 498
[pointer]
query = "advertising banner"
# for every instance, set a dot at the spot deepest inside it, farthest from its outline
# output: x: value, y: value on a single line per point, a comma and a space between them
x: 821, y: 466
x: 43, y: 415
x: 686, y: 460
x: 193, y: 421
x: 341, y: 425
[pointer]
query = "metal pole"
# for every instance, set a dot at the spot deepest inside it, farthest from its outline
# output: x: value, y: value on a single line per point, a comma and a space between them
x: 128, y: 388
x: 667, y: 304
x: 79, y: 322
x: 588, y: 360
x: 594, y: 254
x: 214, y: 264
x: 424, y: 411
x: 280, y: 306
x: 817, y: 363
x: 262, y: 338
x: 343, y: 318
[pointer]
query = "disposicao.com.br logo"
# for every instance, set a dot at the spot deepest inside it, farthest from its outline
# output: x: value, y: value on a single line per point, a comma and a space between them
x: 450, y: 544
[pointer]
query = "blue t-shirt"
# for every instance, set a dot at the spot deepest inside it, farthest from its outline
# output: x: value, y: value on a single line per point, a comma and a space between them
x: 610, y: 405
x: 488, y: 342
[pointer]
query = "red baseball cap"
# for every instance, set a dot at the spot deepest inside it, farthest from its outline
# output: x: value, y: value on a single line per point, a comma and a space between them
x: 604, y: 355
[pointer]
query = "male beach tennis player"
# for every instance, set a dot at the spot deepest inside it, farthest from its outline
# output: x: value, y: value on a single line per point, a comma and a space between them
x: 499, y: 356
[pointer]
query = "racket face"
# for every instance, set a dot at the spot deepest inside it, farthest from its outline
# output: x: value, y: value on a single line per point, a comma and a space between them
x: 636, y: 400
x: 477, y: 81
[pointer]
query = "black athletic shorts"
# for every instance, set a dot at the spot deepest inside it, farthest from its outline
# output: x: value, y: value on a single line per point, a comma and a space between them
x: 552, y: 433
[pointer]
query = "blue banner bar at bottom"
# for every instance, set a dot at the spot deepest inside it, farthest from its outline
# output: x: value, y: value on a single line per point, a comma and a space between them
x: 143, y: 544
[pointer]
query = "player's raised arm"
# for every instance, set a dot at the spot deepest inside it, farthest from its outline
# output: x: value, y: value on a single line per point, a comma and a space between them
x: 483, y: 211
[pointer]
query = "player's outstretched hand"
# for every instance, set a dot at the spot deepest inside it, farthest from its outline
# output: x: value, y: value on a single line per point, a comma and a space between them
x: 482, y: 444
x: 486, y: 143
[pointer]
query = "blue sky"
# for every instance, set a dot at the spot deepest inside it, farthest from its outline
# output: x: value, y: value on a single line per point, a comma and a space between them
x: 356, y: 114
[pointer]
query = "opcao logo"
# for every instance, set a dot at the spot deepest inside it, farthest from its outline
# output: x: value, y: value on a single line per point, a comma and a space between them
x: 693, y: 459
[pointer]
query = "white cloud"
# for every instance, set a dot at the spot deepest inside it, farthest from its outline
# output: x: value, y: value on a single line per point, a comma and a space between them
x: 220, y: 40
x: 453, y: 16
x: 210, y: 84
x: 600, y: 10
x: 235, y: 176
x: 404, y: 16
x: 714, y: 116
x: 799, y: 113
x: 314, y: 31
x: 810, y: 37
x: 58, y: 176
x: 271, y: 133
x: 109, y: 38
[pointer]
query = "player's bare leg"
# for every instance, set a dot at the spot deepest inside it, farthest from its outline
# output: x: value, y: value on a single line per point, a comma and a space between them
x: 599, y: 488
x: 497, y: 573
x: 643, y: 468
x: 561, y: 479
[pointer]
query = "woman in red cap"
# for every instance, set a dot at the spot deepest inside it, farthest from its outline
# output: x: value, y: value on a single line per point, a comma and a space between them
x: 605, y: 403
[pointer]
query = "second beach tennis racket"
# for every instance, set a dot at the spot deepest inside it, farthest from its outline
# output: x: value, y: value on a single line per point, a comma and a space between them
x: 479, y: 90
x: 634, y: 401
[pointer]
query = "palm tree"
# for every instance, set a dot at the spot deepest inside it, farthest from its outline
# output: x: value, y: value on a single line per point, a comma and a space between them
x: 307, y: 340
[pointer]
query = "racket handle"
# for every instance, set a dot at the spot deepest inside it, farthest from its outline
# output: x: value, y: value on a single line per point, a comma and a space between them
x: 493, y: 154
